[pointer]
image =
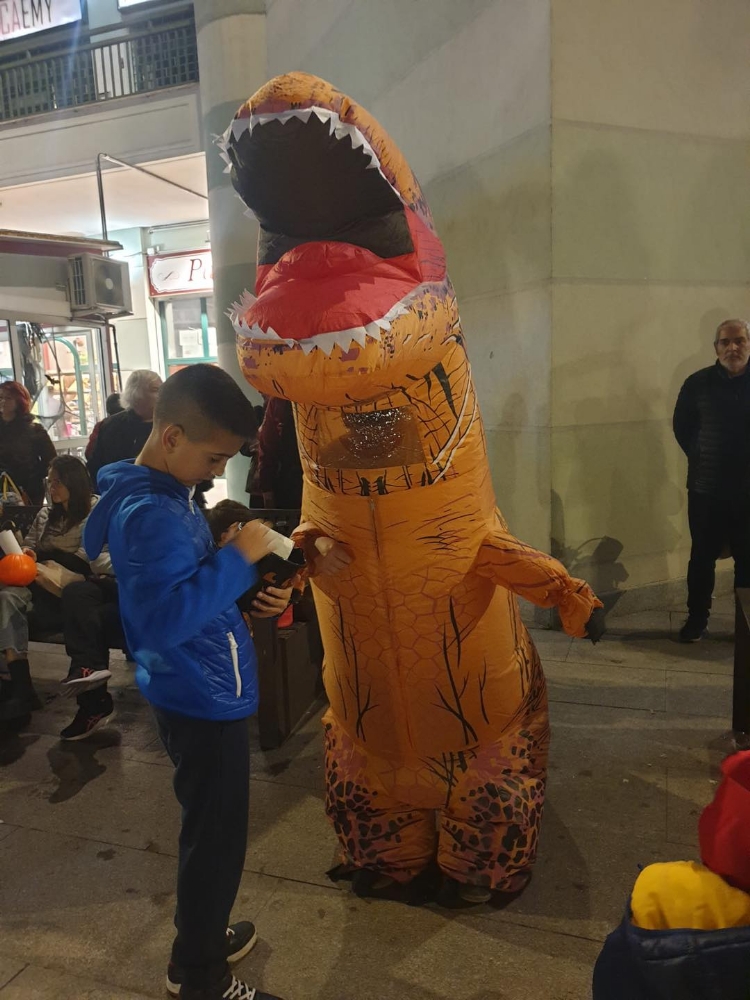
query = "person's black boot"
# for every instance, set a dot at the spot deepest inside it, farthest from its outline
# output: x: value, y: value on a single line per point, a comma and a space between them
x: 19, y: 697
x: 694, y: 628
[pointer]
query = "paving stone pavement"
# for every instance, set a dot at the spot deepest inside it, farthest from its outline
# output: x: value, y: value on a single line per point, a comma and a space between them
x: 88, y: 841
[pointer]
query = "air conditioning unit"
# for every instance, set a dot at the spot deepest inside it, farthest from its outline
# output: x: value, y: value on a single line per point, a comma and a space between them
x: 99, y: 286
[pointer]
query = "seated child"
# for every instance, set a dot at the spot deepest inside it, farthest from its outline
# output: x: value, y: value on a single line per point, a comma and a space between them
x: 195, y: 660
x: 686, y: 935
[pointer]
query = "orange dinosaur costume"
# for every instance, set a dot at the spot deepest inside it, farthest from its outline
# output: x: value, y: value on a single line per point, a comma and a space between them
x: 437, y: 732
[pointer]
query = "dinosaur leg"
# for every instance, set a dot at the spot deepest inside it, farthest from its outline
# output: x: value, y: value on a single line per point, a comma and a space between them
x: 378, y: 831
x: 489, y: 829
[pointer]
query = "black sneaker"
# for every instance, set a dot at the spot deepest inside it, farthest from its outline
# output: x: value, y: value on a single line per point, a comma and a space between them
x: 228, y: 989
x: 82, y: 679
x: 241, y: 939
x: 693, y: 630
x: 87, y: 721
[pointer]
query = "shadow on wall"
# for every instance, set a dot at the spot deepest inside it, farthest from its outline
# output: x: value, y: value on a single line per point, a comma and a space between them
x: 493, y: 216
x: 614, y: 504
x: 597, y: 560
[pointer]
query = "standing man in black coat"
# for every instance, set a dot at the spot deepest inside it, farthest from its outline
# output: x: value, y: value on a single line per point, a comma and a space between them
x: 124, y: 434
x: 712, y: 426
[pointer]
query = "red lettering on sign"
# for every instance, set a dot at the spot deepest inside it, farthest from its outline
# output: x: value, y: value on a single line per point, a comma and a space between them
x: 3, y: 11
x: 15, y: 22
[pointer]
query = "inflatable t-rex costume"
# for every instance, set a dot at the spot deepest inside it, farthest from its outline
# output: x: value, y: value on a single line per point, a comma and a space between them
x: 437, y: 698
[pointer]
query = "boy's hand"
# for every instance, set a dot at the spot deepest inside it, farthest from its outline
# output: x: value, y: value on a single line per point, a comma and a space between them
x: 333, y: 556
x: 271, y: 602
x: 254, y: 541
x: 29, y: 552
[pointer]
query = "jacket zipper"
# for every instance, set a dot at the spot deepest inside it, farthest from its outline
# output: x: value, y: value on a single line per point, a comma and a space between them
x: 235, y: 663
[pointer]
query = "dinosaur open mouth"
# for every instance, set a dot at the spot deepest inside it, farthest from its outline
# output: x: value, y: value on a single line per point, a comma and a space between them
x: 339, y: 255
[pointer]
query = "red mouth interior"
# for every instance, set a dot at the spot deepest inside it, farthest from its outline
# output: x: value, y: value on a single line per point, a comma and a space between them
x: 326, y: 286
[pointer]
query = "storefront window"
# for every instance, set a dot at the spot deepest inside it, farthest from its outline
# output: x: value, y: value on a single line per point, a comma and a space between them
x: 188, y: 332
x: 6, y: 354
x: 61, y: 367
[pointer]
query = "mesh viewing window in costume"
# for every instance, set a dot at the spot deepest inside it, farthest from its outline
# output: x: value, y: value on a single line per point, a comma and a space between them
x: 437, y: 732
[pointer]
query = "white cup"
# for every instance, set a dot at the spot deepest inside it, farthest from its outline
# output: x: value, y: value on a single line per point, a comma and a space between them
x: 9, y: 543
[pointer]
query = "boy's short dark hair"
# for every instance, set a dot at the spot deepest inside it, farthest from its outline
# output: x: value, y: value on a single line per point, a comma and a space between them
x: 224, y: 514
x: 199, y: 397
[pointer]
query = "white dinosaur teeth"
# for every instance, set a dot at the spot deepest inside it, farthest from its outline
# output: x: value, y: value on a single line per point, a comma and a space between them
x: 321, y: 114
x: 359, y: 334
x: 384, y: 324
x: 240, y: 126
x: 325, y: 341
x: 373, y: 330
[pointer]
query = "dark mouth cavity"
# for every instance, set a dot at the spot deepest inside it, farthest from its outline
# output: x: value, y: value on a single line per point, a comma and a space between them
x: 305, y: 185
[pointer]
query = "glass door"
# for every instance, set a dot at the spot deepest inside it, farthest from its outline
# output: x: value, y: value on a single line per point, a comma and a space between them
x: 188, y: 331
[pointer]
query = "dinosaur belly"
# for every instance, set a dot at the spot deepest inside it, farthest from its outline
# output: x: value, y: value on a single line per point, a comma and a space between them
x: 422, y: 654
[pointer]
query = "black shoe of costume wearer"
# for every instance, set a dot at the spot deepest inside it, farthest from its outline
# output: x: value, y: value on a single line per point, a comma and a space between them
x: 455, y: 895
x: 88, y: 719
x: 693, y: 630
x: 228, y: 989
x: 18, y: 697
x: 241, y: 939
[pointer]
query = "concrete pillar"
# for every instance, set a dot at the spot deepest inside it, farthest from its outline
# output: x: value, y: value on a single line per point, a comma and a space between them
x: 232, y: 64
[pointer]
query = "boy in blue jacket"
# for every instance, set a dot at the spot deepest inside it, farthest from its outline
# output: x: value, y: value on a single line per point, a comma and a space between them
x: 195, y: 659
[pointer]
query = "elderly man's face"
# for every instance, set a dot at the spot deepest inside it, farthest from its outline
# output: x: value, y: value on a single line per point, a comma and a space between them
x: 733, y: 349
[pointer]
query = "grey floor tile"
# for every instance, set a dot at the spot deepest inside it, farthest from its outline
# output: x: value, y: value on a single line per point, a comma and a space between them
x: 85, y: 789
x: 700, y: 694
x: 37, y: 983
x: 689, y: 794
x: 298, y: 762
x: 632, y: 649
x: 9, y: 969
x: 584, y: 875
x: 638, y: 741
x: 600, y: 684
x: 551, y: 645
x: 647, y: 624
x: 344, y: 948
x: 6, y: 829
x: 290, y: 835
x: 98, y: 911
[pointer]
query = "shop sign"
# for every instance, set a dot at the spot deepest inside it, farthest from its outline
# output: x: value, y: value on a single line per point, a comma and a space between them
x: 189, y: 272
x: 23, y: 17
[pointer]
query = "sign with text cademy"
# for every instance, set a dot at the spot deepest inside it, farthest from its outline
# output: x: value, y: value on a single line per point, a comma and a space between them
x: 180, y: 273
x: 23, y: 17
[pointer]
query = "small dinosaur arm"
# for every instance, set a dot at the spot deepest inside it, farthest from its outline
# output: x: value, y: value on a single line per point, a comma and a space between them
x: 434, y: 685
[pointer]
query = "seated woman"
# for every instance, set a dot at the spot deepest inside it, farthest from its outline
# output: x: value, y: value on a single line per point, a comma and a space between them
x: 55, y: 535
x: 25, y: 446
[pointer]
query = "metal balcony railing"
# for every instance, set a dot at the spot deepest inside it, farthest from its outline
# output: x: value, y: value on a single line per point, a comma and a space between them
x: 135, y: 63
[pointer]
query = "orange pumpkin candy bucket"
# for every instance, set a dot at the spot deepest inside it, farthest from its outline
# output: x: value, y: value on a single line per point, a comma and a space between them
x: 17, y: 570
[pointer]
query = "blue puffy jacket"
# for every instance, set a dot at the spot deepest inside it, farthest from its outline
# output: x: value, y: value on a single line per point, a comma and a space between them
x: 639, y: 964
x: 177, y: 595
